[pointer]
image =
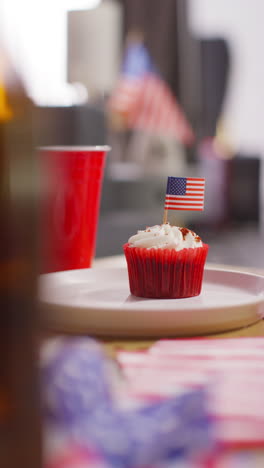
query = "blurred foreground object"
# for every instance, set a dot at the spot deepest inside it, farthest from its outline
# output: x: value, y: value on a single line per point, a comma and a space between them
x: 90, y: 422
x: 19, y: 415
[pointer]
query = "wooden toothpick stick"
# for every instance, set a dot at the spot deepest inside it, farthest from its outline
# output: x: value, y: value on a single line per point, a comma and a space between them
x: 165, y: 216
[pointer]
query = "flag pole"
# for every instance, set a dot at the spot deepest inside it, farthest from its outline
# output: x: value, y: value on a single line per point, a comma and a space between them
x: 165, y: 216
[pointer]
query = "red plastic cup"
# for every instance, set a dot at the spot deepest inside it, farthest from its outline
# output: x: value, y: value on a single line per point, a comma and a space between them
x: 72, y: 179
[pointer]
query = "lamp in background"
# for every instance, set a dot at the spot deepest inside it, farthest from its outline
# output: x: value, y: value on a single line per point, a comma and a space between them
x: 94, y: 46
x: 36, y: 40
x: 80, y: 4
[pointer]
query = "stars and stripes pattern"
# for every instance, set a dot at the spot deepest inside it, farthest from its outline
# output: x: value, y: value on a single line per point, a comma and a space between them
x: 145, y: 101
x: 185, y: 193
x: 231, y: 369
x: 89, y: 432
x: 148, y: 104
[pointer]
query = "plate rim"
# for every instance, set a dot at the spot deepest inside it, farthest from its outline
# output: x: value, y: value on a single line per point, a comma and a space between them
x: 256, y: 300
x: 176, y: 321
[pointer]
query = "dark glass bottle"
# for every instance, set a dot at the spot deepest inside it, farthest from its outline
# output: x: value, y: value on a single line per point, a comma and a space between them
x: 20, y: 432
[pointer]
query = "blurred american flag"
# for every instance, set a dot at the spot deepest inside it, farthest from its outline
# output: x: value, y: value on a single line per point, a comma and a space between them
x: 145, y: 101
x: 232, y: 370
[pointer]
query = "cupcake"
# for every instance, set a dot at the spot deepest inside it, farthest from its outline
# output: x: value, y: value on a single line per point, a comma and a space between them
x: 165, y: 261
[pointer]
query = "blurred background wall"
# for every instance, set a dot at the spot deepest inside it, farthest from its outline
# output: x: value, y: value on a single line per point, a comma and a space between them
x: 208, y: 53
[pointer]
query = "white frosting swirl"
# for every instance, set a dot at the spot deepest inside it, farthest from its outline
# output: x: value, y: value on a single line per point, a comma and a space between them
x: 165, y: 236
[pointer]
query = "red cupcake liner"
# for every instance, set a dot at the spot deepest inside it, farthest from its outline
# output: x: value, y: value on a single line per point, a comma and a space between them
x: 165, y: 273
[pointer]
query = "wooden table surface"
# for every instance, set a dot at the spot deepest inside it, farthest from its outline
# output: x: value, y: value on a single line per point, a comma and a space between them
x: 257, y: 329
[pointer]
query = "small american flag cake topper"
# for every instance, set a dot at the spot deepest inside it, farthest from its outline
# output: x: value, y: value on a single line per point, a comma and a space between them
x: 184, y: 193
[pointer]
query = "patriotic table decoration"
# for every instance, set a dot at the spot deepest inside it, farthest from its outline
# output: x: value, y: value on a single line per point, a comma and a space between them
x: 232, y: 370
x: 86, y: 426
x: 184, y: 193
x: 75, y: 377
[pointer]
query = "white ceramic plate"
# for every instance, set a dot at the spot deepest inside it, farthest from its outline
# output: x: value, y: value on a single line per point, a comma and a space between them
x: 98, y: 302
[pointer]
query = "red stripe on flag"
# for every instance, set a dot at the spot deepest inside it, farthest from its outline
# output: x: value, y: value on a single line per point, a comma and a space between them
x: 183, y: 209
x: 184, y: 203
x: 195, y: 178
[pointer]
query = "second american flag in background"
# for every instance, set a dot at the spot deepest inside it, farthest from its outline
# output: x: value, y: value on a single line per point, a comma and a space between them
x: 144, y: 99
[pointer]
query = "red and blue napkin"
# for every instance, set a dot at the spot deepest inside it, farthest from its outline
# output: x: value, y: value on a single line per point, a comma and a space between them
x: 89, y: 424
x: 232, y: 370
x: 183, y: 404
